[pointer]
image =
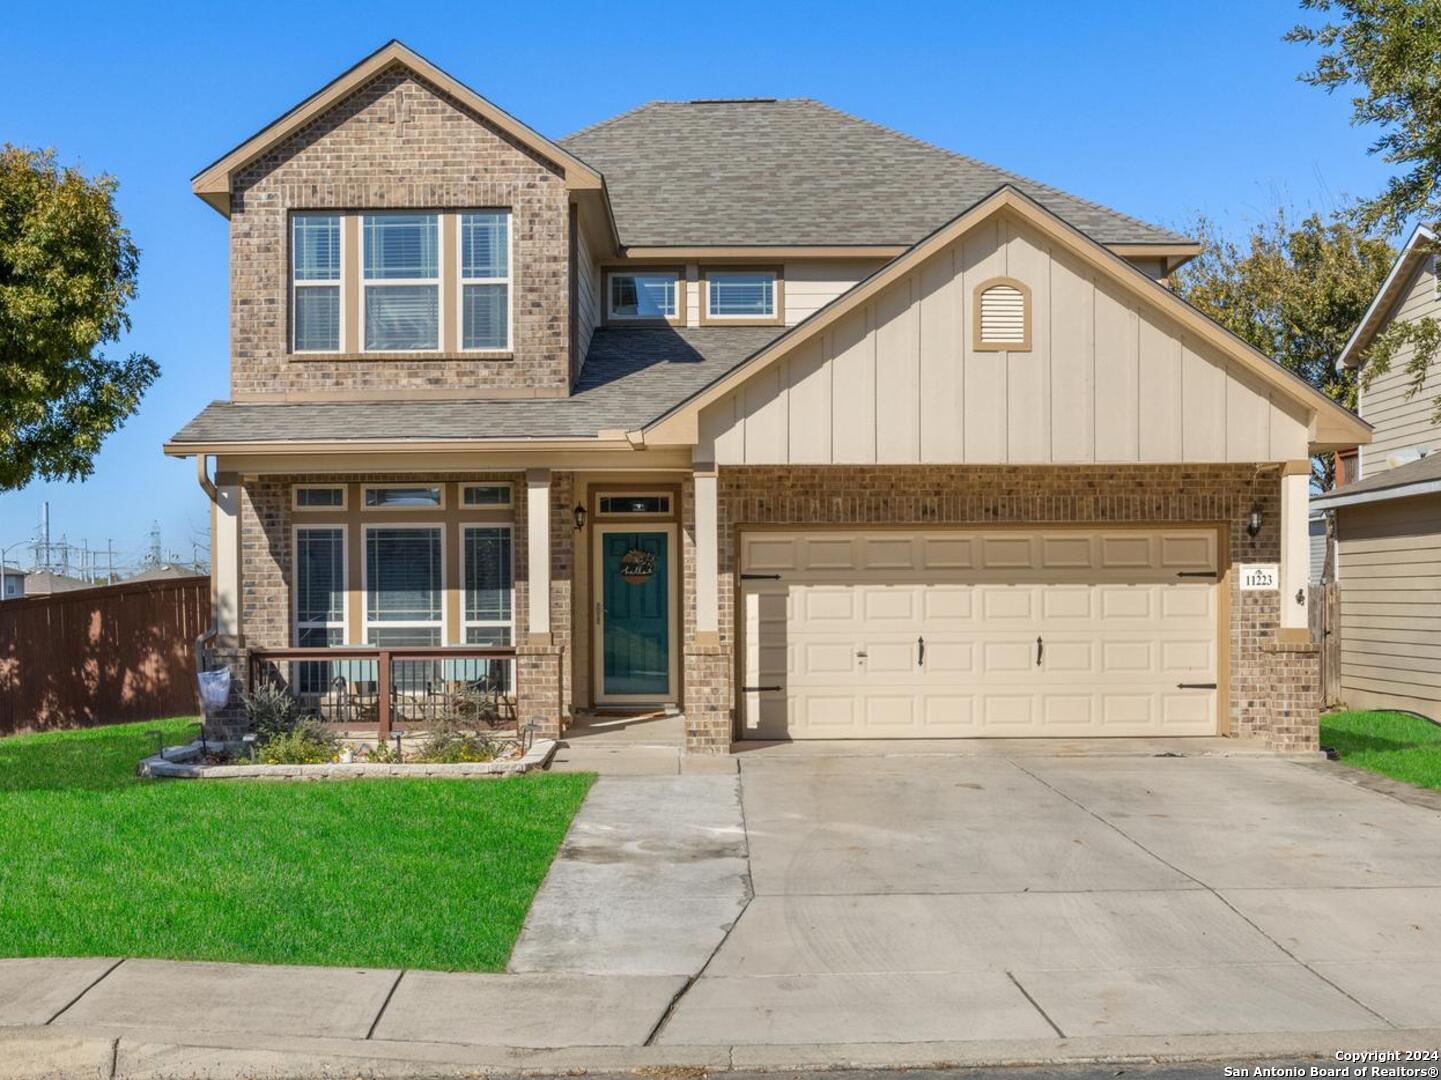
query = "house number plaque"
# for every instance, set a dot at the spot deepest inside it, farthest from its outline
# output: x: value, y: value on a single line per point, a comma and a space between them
x: 1260, y: 577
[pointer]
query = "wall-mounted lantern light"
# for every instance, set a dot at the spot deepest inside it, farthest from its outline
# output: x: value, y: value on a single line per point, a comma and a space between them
x: 579, y: 517
x: 1253, y: 521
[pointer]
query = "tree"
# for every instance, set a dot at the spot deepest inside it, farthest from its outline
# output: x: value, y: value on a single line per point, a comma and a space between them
x: 1294, y: 292
x: 67, y: 275
x: 1390, y: 51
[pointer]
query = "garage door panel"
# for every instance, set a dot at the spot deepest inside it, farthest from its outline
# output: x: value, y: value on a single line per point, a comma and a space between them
x: 1120, y: 630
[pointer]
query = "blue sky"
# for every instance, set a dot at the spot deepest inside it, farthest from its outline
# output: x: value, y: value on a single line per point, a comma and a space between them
x: 1162, y: 110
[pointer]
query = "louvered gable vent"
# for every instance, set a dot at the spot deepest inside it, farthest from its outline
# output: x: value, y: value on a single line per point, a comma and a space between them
x: 1003, y: 315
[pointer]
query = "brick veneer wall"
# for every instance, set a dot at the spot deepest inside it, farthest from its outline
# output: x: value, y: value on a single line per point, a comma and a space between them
x: 398, y: 143
x: 266, y: 554
x: 1269, y: 685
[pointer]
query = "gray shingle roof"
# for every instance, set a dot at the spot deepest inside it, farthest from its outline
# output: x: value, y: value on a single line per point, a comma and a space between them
x: 630, y: 377
x: 1419, y: 471
x: 797, y: 172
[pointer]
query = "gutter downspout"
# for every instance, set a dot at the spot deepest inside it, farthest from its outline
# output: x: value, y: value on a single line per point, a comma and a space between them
x: 208, y: 486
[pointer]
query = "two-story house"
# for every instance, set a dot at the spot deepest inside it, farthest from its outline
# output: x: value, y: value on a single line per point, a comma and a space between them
x: 751, y: 408
x: 1387, y: 507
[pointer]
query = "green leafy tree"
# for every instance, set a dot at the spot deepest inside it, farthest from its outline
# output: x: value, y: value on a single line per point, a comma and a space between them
x: 1388, y: 53
x: 67, y: 275
x: 1293, y: 291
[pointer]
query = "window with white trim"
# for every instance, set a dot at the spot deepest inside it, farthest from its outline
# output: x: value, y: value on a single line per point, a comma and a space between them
x: 485, y: 280
x: 404, y: 496
x: 740, y: 294
x: 328, y: 497
x: 404, y: 585
x: 319, y: 586
x: 649, y: 295
x: 489, y: 585
x: 315, y: 282
x: 400, y: 282
x: 497, y: 495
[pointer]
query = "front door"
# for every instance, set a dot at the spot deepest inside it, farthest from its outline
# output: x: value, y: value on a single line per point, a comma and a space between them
x: 635, y: 615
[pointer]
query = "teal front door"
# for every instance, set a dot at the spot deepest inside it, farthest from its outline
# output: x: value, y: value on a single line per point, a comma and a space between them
x: 635, y: 581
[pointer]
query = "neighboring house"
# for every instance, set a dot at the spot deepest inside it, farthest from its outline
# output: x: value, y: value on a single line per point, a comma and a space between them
x: 1388, y: 510
x: 1317, y: 546
x: 12, y: 582
x: 45, y: 582
x: 165, y: 572
x: 751, y: 407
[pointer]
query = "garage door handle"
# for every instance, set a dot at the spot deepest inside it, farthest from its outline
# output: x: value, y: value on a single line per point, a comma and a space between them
x: 1195, y: 686
x: 921, y: 651
x: 1040, y: 650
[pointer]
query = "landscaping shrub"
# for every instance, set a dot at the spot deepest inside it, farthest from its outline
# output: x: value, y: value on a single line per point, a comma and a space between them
x: 308, y: 742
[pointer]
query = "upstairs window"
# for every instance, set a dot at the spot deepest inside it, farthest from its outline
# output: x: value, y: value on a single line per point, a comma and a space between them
x: 401, y: 282
x: 742, y: 295
x: 315, y: 282
x: 648, y: 295
x: 1001, y: 320
x: 485, y: 280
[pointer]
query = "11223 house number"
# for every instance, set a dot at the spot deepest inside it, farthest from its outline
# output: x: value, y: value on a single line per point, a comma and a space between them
x: 1260, y: 577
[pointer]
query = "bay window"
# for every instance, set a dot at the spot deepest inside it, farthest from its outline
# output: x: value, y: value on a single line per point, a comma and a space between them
x: 401, y: 282
x: 403, y: 585
x: 315, y: 282
x: 485, y: 280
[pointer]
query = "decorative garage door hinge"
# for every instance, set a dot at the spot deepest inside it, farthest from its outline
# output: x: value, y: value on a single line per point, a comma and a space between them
x: 759, y: 689
x: 760, y: 577
x: 1198, y: 573
x: 1195, y: 686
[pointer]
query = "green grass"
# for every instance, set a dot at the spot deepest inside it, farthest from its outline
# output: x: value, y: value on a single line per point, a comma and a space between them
x: 378, y: 873
x: 1393, y: 744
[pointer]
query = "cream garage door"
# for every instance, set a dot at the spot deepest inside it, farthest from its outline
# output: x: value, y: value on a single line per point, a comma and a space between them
x: 1069, y: 632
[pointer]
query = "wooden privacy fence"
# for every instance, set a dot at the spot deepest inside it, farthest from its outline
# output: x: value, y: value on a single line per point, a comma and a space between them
x: 1325, y: 615
x: 101, y: 656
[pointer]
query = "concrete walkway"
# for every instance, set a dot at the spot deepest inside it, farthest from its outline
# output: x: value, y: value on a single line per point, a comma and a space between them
x: 855, y: 909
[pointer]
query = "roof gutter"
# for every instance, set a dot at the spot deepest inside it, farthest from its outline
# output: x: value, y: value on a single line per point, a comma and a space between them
x: 1401, y: 491
x: 299, y: 447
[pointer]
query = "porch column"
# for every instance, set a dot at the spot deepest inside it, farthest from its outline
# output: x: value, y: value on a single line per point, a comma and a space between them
x: 707, y: 560
x: 537, y: 504
x: 225, y: 557
x: 1295, y: 550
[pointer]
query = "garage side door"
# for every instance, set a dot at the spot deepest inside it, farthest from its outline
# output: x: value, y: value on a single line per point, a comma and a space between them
x: 985, y: 633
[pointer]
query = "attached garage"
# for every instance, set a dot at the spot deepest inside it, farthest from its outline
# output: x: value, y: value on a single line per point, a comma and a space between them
x: 985, y: 632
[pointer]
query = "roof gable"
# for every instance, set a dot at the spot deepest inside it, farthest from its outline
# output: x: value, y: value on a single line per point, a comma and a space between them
x: 1419, y: 247
x: 213, y: 183
x: 1327, y: 423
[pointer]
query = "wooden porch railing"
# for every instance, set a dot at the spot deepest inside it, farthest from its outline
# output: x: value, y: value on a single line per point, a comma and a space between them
x: 366, y: 689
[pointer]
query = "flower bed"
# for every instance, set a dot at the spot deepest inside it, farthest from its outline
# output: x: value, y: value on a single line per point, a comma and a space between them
x: 195, y: 761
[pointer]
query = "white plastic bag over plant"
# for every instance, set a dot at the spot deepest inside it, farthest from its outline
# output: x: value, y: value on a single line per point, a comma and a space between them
x: 214, y: 689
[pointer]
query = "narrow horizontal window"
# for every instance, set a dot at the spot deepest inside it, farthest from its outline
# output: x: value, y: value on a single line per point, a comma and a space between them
x: 403, y: 496
x: 741, y: 294
x: 486, y: 494
x: 401, y: 282
x: 643, y: 296
x: 635, y: 504
x: 485, y: 280
x: 315, y: 282
x: 319, y: 498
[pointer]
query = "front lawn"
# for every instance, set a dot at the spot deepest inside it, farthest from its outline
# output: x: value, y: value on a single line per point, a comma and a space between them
x: 1393, y: 744
x: 376, y: 873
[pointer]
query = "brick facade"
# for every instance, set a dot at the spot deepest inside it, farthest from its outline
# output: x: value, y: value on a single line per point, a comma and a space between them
x: 398, y: 143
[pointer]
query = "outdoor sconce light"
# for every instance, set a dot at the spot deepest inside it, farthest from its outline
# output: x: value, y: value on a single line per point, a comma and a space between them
x: 579, y: 517
x: 1253, y: 521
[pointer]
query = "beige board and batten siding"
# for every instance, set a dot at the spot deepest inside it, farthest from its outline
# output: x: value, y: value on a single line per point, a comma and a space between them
x: 1390, y: 574
x: 1403, y: 420
x: 1108, y: 378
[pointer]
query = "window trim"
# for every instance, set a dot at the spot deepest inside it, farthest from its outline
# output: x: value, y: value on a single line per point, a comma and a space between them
x: 438, y: 281
x: 461, y: 281
x: 399, y: 485
x: 337, y: 283
x: 408, y: 624
x: 295, y: 490
x: 980, y: 344
x: 778, y: 295
x: 608, y: 317
x: 295, y: 623
x: 506, y: 484
x: 639, y: 515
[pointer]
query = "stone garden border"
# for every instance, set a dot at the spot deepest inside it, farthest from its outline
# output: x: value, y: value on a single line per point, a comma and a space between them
x: 180, y: 763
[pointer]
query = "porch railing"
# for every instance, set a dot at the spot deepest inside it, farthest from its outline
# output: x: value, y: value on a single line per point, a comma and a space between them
x: 387, y: 689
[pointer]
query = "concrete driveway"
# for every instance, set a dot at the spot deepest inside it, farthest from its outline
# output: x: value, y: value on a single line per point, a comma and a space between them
x: 952, y: 898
